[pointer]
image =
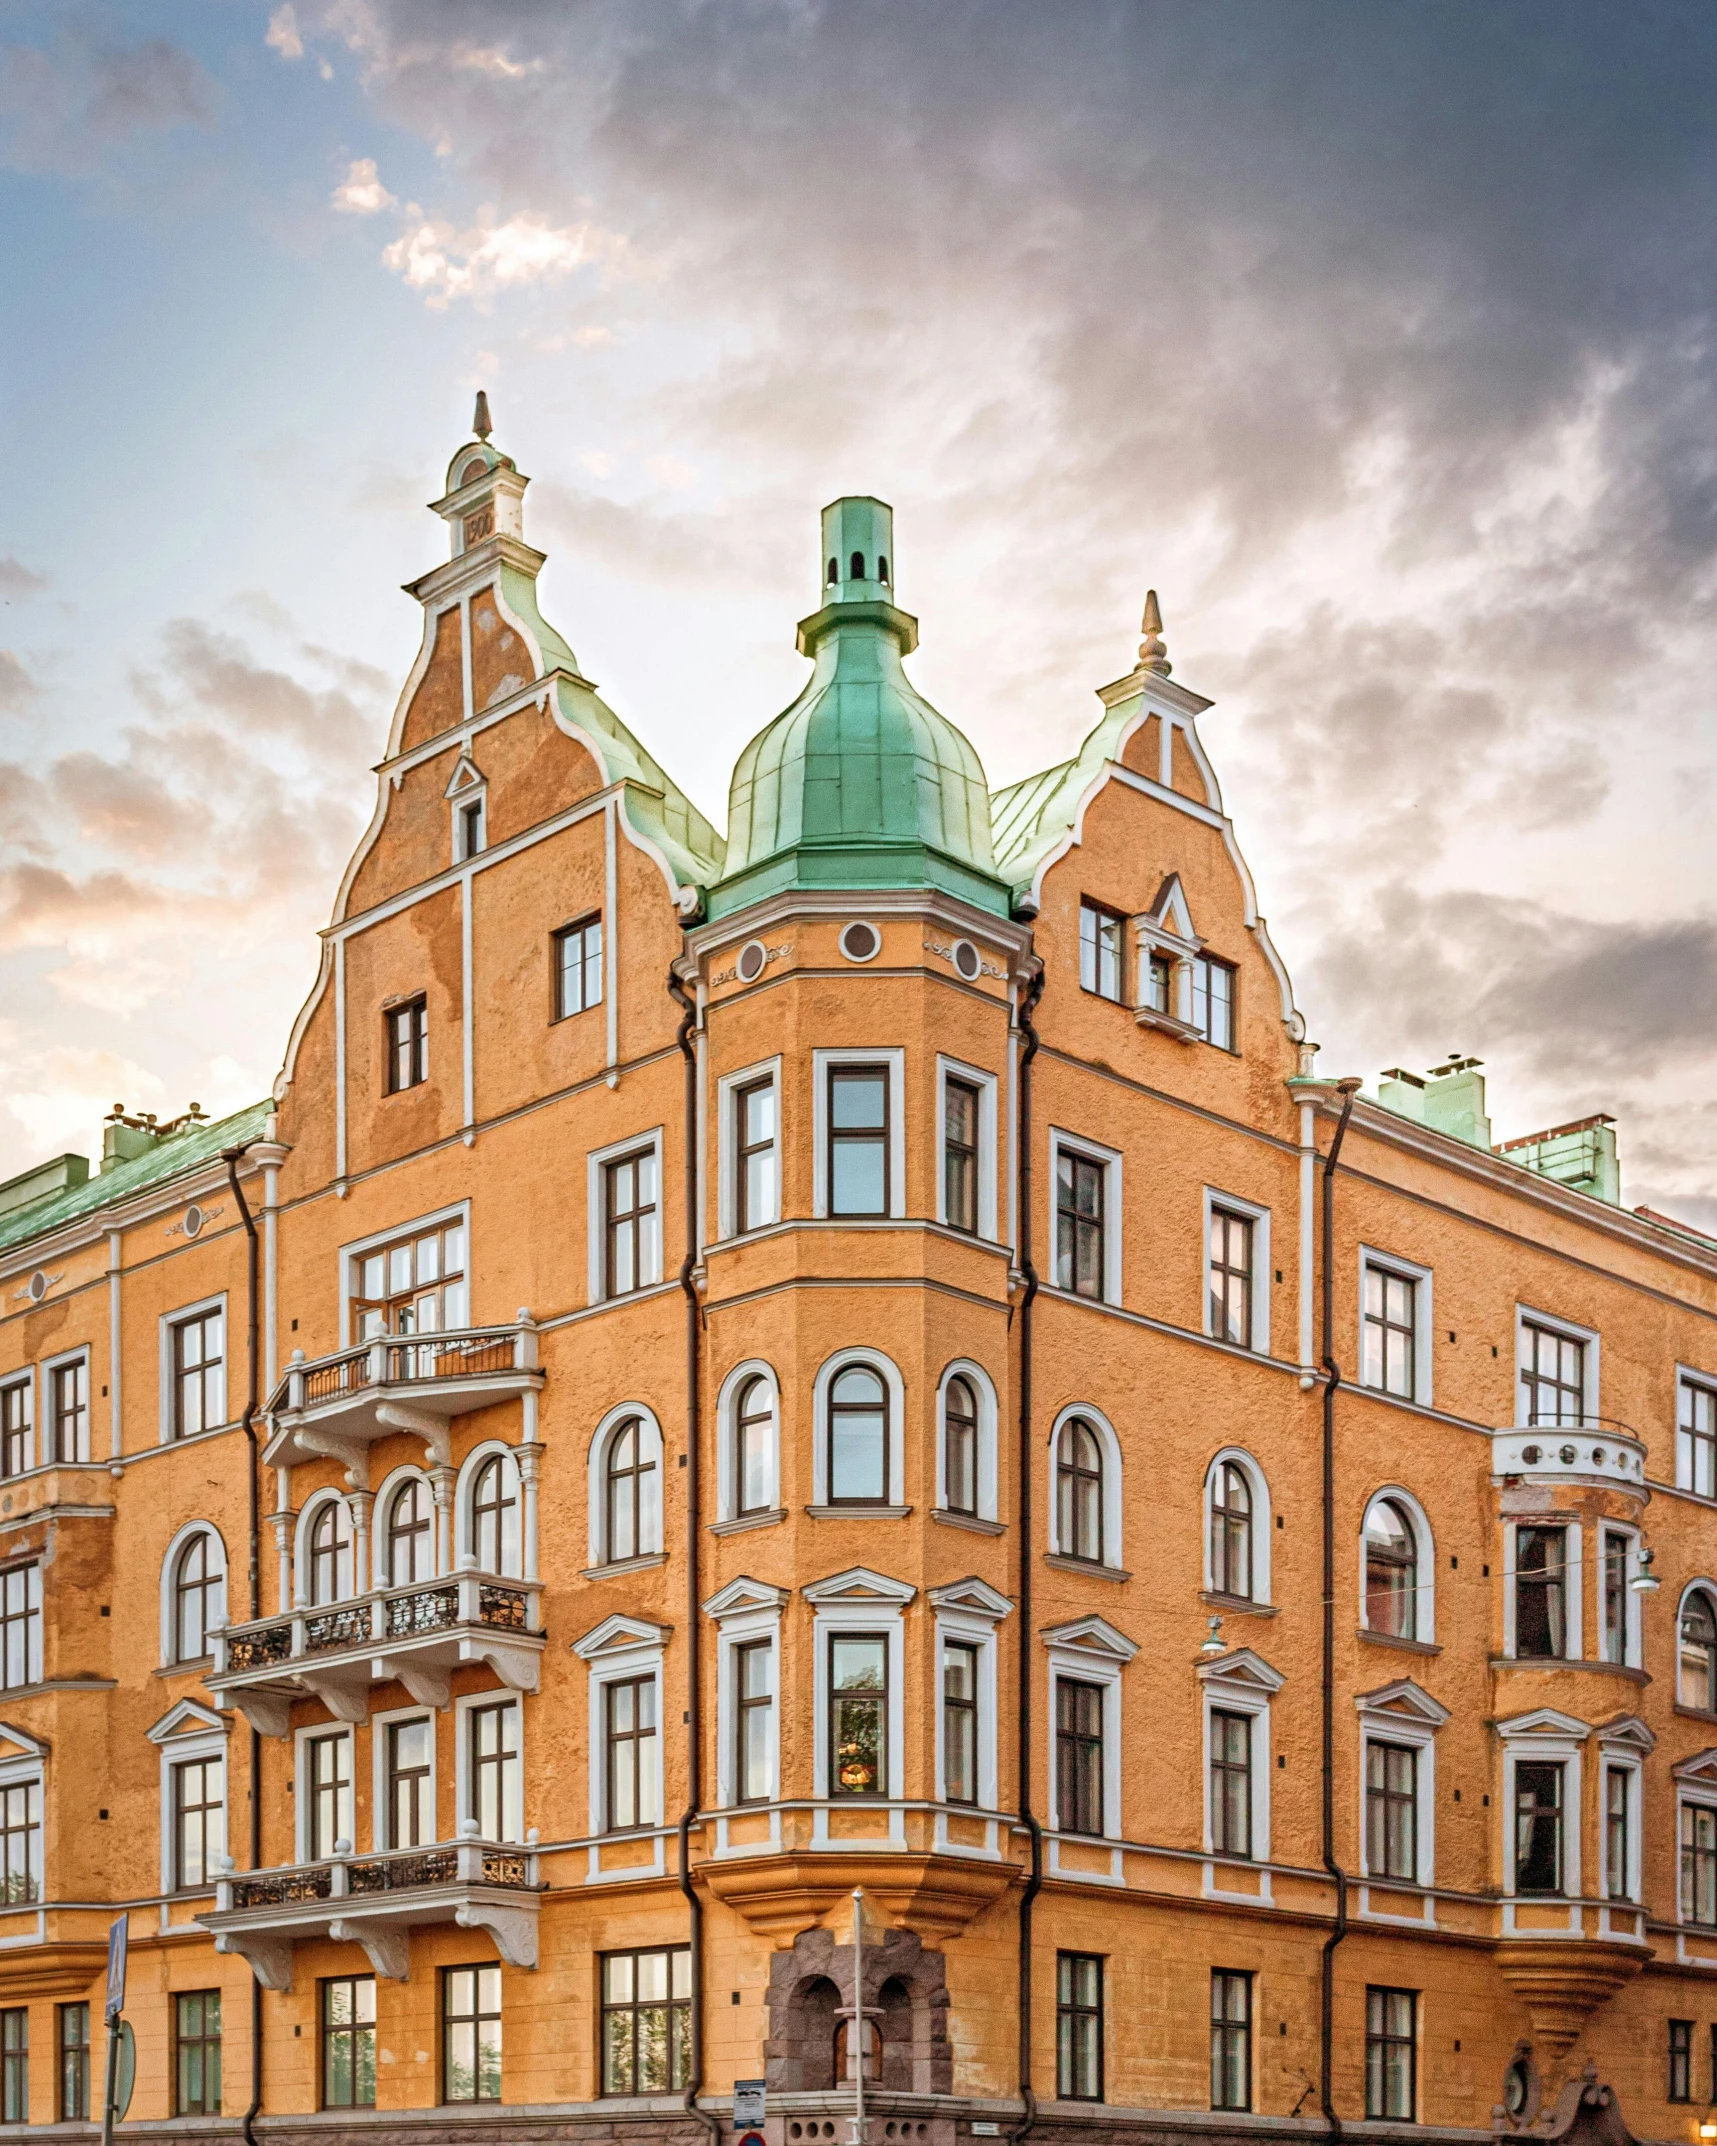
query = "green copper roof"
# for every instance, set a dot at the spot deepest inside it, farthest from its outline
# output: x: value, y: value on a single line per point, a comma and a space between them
x: 860, y: 783
x: 172, y: 1157
x: 1029, y: 818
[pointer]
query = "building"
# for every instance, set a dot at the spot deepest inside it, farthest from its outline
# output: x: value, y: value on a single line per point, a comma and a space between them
x: 864, y: 1355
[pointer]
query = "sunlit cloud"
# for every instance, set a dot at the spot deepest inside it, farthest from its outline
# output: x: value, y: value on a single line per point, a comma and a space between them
x: 445, y: 263
x: 361, y: 192
x: 284, y: 35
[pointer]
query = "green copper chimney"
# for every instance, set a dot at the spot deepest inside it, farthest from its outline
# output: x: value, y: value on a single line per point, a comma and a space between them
x: 860, y: 783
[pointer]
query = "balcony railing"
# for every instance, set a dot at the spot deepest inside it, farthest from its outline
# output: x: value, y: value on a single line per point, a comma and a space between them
x: 348, y: 1395
x: 1566, y: 1448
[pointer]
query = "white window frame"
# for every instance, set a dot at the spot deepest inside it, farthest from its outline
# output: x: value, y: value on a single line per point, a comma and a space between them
x: 1633, y: 1635
x: 859, y: 1600
x: 894, y: 1060
x: 968, y: 1613
x: 1528, y: 1315
x: 26, y: 1378
x: 1424, y: 1325
x: 1241, y: 1683
x: 1698, y: 1585
x: 1262, y: 1523
x: 35, y: 1635
x: 1381, y: 1721
x: 1075, y: 1664
x: 1110, y: 1160
x: 984, y: 1393
x: 1695, y: 1784
x: 616, y: 1650
x: 1556, y: 1739
x: 743, y: 1613
x: 169, y: 1595
x: 176, y: 1745
x: 1623, y: 1748
x: 463, y: 1707
x: 727, y: 1089
x: 301, y: 1794
x: 171, y: 1320
x: 1574, y: 1579
x: 1258, y: 1341
x: 1424, y: 1563
x: 464, y: 1485
x: 381, y: 1812
x: 986, y: 1085
x: 301, y: 1550
x: 392, y: 1483
x: 1690, y: 1375
x: 44, y: 1417
x: 1113, y: 1503
x: 623, y: 1665
x: 895, y: 1388
x: 597, y: 1500
x: 726, y: 1418
x: 351, y: 1255
x: 596, y: 1214
x: 459, y: 802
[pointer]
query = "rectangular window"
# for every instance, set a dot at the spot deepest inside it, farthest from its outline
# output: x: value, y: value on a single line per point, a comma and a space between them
x: 15, y: 1454
x: 1078, y: 1756
x: 1159, y: 984
x: 199, y: 1820
x: 629, y: 1742
x: 1389, y: 1336
x: 15, y: 2064
x: 960, y: 1107
x: 470, y: 2034
x: 493, y: 1787
x: 1231, y: 1277
x: 578, y: 968
x: 1696, y: 1440
x: 74, y: 2063
x: 1680, y: 2086
x: 21, y: 1842
x: 1698, y: 1864
x: 1230, y: 2040
x: 858, y: 1714
x: 416, y: 1285
x: 757, y: 1185
x: 20, y: 1627
x: 199, y: 1374
x: 858, y: 1161
x: 1552, y: 1376
x: 1615, y: 1578
x: 471, y: 829
x: 197, y: 2053
x: 632, y: 1224
x: 68, y: 1412
x: 1099, y: 950
x: 1618, y: 1831
x: 960, y: 1721
x: 646, y: 2021
x: 1231, y: 1783
x: 328, y: 1806
x: 349, y: 2042
x: 408, y: 1046
x: 1213, y: 1000
x: 409, y: 1758
x: 1540, y: 1593
x: 1079, y: 1203
x: 1078, y: 2026
x: 754, y: 1711
x: 1391, y: 2055
x: 1391, y: 1810
x: 1537, y: 1826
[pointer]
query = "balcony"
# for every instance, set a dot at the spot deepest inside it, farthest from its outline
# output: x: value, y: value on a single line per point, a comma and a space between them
x: 336, y: 1406
x: 1592, y: 1451
x: 416, y: 1636
x: 377, y: 1901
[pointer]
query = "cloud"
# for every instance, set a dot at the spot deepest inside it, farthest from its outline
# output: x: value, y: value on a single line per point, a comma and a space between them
x: 446, y: 263
x: 284, y: 35
x: 17, y: 688
x: 361, y: 192
x: 67, y: 107
x: 16, y: 579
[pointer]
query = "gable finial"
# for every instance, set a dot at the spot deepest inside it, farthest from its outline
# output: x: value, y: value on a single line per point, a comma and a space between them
x: 480, y: 421
x: 1153, y: 652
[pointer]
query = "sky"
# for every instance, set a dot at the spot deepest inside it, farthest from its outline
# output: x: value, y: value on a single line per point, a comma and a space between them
x: 1378, y: 338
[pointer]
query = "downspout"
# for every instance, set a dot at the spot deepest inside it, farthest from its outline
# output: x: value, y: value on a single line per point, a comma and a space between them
x: 1026, y: 1465
x: 232, y: 1157
x: 694, y: 1680
x: 1332, y: 1379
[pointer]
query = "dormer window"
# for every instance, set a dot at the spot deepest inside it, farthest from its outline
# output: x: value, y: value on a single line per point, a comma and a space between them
x: 471, y: 829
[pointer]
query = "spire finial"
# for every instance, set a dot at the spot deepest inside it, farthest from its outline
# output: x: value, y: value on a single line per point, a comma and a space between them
x: 1153, y: 652
x: 480, y: 422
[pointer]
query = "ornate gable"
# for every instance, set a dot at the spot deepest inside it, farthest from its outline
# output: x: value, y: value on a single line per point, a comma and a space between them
x: 743, y: 1597
x: 1403, y: 1701
x: 1094, y: 1636
x: 188, y: 1717
x: 617, y: 1635
x: 1243, y: 1669
x: 1544, y: 1721
x: 859, y: 1584
x: 973, y: 1595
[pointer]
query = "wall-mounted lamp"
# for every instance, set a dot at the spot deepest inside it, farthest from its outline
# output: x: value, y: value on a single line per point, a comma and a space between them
x: 1214, y: 1645
x: 1646, y: 1582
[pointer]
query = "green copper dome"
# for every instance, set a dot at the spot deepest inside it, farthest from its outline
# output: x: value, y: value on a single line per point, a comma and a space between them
x: 860, y: 783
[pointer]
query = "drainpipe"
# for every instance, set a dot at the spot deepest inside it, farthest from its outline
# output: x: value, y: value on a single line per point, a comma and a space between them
x: 694, y: 1681
x: 1332, y: 1379
x: 232, y: 1157
x: 1026, y: 1465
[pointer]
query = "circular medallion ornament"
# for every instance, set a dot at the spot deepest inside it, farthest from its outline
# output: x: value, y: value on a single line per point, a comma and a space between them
x: 193, y: 1219
x: 967, y: 960
x: 38, y: 1286
x: 752, y: 956
x: 861, y: 942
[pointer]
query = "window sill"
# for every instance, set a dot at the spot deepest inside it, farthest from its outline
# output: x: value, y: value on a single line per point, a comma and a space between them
x: 1237, y: 1605
x: 739, y: 1525
x: 1693, y: 1713
x: 857, y: 1512
x: 1085, y: 1565
x: 1170, y: 1023
x: 1603, y: 1669
x: 974, y: 1521
x: 1394, y: 1639
x: 624, y: 1564
x: 200, y: 1667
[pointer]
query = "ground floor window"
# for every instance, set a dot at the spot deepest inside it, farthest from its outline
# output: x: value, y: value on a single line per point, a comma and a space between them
x: 646, y: 2021
x: 74, y: 2063
x: 471, y: 2034
x: 197, y: 2053
x: 1230, y: 2040
x: 1079, y: 2026
x: 1680, y: 2060
x: 349, y: 2042
x: 1391, y: 2054
x: 15, y: 2064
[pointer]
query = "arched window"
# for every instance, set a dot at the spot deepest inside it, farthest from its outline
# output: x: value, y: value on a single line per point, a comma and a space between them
x: 408, y: 1543
x: 753, y: 1447
x: 631, y: 1492
x: 1391, y: 1570
x: 858, y: 1438
x: 1698, y: 1651
x: 882, y: 566
x: 199, y: 1596
x: 960, y: 1445
x: 858, y: 566
x: 1079, y: 1491
x: 495, y: 1516
x: 331, y: 1553
x: 1231, y: 1531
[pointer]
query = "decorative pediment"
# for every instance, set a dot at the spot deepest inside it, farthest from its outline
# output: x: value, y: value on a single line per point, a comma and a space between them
x: 1701, y: 1768
x: 1169, y: 913
x: 1626, y: 1732
x: 617, y: 1635
x: 18, y: 1744
x: 977, y: 1597
x: 1094, y: 1636
x: 466, y: 776
x: 187, y: 1717
x: 1243, y: 1669
x: 744, y: 1597
x: 1544, y: 1721
x: 1403, y: 1701
x: 859, y: 1584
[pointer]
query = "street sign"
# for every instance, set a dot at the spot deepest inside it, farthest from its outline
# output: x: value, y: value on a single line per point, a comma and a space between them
x: 752, y: 2138
x: 116, y: 1943
x: 749, y: 2102
x: 125, y: 2072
